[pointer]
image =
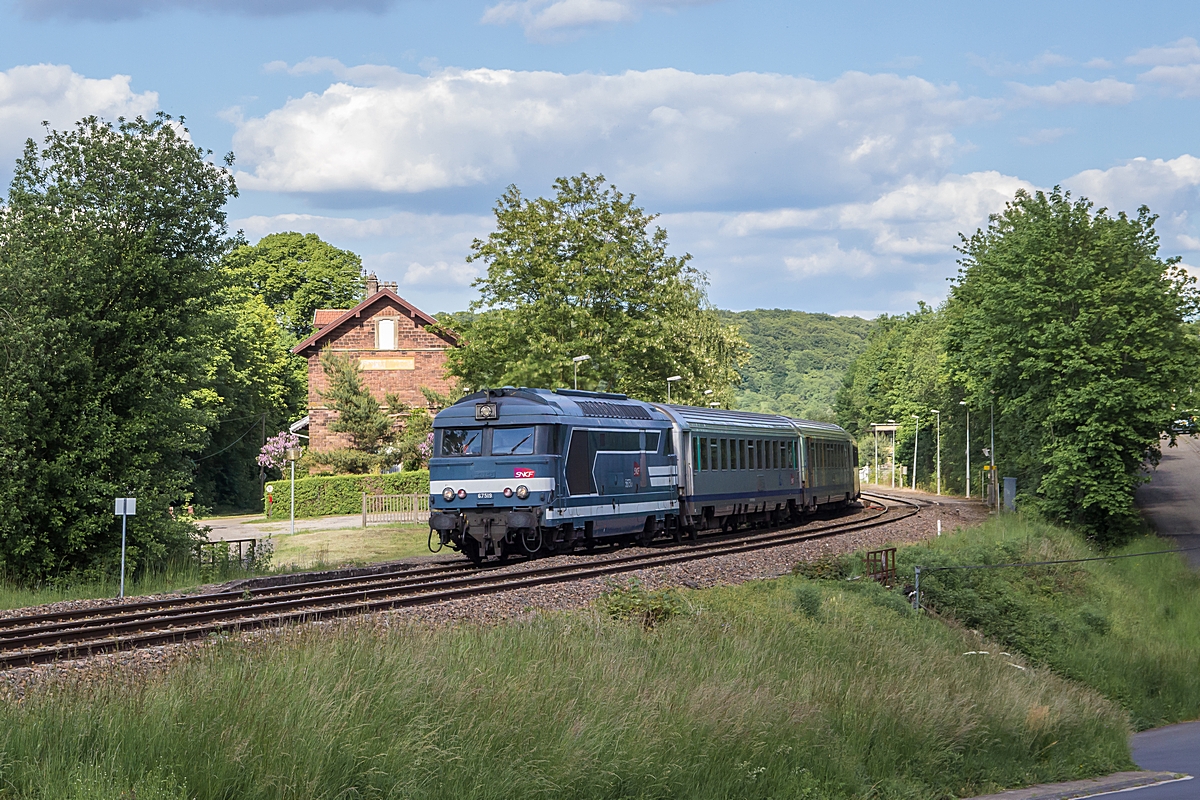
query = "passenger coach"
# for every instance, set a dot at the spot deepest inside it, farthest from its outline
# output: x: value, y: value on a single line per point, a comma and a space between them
x: 534, y: 471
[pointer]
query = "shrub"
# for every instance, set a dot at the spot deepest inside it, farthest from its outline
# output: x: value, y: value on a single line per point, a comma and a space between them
x: 828, y: 568
x: 321, y: 495
x: 633, y: 602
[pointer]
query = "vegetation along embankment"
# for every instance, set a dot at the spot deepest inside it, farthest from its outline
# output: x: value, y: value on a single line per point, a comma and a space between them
x: 786, y: 688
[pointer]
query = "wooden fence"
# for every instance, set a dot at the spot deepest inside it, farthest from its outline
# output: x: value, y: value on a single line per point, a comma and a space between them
x: 394, y: 508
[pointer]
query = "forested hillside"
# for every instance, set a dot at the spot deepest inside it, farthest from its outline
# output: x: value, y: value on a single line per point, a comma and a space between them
x: 797, y: 360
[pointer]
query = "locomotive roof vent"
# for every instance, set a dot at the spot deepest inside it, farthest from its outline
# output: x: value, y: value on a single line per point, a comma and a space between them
x: 597, y: 408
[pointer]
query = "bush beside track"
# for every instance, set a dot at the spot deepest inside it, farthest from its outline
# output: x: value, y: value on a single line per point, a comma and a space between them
x: 322, y: 495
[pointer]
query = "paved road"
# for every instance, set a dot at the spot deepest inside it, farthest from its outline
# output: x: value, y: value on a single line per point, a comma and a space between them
x: 1171, y: 501
x: 1175, y: 748
x: 226, y: 528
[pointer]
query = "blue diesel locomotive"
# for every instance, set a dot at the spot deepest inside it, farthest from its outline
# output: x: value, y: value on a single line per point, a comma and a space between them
x: 534, y: 471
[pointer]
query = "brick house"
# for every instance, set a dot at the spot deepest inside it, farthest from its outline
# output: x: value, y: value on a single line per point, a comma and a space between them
x: 396, y: 349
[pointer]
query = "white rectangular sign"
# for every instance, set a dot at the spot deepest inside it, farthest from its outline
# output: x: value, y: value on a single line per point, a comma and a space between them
x: 126, y: 506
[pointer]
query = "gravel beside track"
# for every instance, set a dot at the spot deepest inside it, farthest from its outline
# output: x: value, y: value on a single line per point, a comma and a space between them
x: 520, y: 603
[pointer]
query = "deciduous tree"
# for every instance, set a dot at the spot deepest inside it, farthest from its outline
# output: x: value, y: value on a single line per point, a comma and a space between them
x: 583, y: 273
x: 1068, y: 319
x: 108, y: 247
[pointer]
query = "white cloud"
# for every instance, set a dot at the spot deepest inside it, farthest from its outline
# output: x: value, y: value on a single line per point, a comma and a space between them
x: 1044, y: 136
x: 1098, y: 63
x: 552, y: 19
x: 1171, y: 189
x: 1175, y: 66
x: 669, y: 133
x: 61, y: 96
x: 1035, y: 65
x: 1185, y: 80
x: 917, y: 219
x: 1106, y: 91
x: 1183, y: 51
x: 113, y: 10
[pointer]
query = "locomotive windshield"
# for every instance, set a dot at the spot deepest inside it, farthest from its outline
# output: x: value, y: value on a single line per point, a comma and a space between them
x: 462, y: 442
x: 512, y: 441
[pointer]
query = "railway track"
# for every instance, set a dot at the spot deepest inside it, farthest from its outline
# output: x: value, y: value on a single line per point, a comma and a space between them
x: 42, y: 638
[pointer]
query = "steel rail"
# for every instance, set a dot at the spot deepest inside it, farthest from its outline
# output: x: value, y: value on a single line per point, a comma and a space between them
x: 122, y: 609
x: 87, y: 640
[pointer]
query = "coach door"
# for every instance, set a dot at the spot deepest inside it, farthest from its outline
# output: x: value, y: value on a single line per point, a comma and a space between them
x: 810, y: 455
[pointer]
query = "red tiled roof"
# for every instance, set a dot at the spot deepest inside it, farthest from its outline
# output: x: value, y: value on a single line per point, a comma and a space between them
x: 324, y: 316
x: 417, y: 314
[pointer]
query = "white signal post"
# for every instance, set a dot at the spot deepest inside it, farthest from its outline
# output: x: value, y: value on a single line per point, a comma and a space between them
x: 126, y: 507
x: 671, y: 380
x: 576, y: 361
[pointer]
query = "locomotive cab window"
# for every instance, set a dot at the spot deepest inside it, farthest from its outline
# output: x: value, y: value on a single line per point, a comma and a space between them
x: 651, y: 441
x: 462, y: 442
x: 513, y: 441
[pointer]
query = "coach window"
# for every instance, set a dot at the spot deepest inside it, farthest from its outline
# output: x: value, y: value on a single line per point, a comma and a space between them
x: 724, y: 454
x: 702, y: 454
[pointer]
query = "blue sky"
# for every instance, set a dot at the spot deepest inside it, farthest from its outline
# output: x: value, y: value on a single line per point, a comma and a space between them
x: 822, y: 157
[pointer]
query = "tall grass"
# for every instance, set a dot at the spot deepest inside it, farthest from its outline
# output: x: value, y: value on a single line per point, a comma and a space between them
x: 1130, y: 627
x: 788, y: 688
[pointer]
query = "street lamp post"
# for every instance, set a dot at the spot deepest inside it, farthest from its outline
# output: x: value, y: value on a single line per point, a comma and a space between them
x: 916, y: 441
x: 293, y: 455
x: 963, y: 403
x: 575, y: 362
x: 671, y: 380
x: 939, y: 448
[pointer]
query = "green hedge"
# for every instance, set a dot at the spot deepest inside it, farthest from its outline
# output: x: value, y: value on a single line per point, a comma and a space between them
x: 342, y: 494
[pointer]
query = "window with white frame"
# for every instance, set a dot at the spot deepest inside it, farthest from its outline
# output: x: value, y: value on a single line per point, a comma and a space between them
x: 385, y: 334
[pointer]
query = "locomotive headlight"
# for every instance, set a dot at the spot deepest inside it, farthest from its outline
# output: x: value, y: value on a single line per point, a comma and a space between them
x: 507, y: 492
x: 522, y: 492
x: 447, y: 494
x: 462, y: 494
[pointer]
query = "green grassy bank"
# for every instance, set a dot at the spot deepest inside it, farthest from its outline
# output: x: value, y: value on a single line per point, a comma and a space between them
x: 788, y: 688
x: 1129, y: 628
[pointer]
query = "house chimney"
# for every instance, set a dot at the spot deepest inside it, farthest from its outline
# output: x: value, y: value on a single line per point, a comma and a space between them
x: 372, y: 284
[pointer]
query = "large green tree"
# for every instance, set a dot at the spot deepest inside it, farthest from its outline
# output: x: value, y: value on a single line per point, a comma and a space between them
x: 108, y: 249
x: 1072, y: 325
x: 270, y: 291
x: 583, y: 273
x: 297, y: 273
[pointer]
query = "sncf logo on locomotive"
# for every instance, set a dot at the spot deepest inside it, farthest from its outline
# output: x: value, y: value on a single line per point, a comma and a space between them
x: 524, y: 472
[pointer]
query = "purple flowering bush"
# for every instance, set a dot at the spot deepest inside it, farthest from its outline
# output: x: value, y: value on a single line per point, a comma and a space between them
x: 274, y: 452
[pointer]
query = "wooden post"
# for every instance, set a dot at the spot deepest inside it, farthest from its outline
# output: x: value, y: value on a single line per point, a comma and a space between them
x: 364, y: 509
